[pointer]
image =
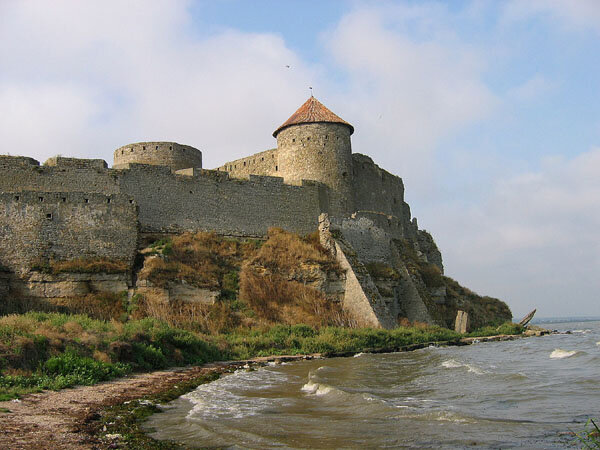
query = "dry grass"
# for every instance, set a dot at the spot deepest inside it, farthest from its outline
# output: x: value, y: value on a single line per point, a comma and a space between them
x: 100, y: 305
x: 200, y: 259
x: 277, y: 300
x: 285, y: 252
x: 99, y: 265
x: 210, y: 319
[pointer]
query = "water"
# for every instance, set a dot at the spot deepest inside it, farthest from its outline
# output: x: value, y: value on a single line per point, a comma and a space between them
x: 523, y: 393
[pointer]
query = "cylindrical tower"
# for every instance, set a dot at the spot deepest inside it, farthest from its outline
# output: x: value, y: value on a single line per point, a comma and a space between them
x: 171, y: 154
x: 314, y: 144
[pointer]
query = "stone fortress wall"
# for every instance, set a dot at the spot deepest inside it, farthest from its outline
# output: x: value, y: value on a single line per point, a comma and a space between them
x: 190, y: 199
x: 262, y: 163
x: 38, y: 226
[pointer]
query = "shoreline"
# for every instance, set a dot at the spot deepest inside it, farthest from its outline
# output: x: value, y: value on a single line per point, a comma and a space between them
x: 99, y: 416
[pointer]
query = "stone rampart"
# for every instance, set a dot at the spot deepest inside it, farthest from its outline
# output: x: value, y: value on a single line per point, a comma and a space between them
x: 79, y: 175
x: 377, y: 190
x: 16, y: 162
x: 175, y: 203
x: 37, y: 227
x: 190, y: 199
x: 263, y: 163
x: 60, y: 161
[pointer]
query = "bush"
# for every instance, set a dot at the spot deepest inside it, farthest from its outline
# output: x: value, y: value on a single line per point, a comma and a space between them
x: 380, y: 270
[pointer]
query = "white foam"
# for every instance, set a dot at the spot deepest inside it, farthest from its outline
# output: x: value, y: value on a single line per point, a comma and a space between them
x: 453, y: 364
x: 316, y: 388
x: 561, y: 354
x: 598, y: 343
x: 358, y: 354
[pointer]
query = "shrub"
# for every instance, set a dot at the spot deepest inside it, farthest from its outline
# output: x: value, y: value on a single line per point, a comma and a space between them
x: 382, y: 271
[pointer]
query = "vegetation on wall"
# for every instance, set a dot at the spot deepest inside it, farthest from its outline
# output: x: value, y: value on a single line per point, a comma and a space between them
x: 80, y: 265
x: 483, y: 311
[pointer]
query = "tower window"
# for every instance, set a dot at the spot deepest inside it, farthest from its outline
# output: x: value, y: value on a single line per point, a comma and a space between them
x: 170, y: 147
x: 17, y: 198
x: 41, y: 199
x: 157, y: 147
x: 244, y: 163
x: 276, y: 168
x: 49, y: 216
x: 131, y: 201
x: 262, y: 159
x: 64, y: 199
x: 294, y: 140
x: 308, y: 138
x: 326, y: 137
x: 122, y: 152
x: 345, y: 174
x: 144, y: 147
x: 87, y: 200
x: 108, y: 200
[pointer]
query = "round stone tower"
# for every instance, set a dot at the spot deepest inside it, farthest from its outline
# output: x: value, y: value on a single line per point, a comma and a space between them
x: 171, y: 154
x: 314, y: 144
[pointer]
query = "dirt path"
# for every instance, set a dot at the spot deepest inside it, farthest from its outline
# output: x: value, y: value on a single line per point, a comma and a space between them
x: 57, y: 419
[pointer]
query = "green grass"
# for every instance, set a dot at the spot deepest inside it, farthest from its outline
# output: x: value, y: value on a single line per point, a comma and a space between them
x: 52, y: 351
x: 505, y: 328
x: 590, y: 436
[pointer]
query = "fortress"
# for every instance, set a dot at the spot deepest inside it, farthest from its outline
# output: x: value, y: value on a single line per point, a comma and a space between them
x: 71, y: 208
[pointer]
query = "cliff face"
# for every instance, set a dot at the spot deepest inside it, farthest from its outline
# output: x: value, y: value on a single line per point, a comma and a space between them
x: 399, y: 279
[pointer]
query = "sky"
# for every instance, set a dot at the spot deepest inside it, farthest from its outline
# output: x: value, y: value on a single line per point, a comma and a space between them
x: 489, y: 111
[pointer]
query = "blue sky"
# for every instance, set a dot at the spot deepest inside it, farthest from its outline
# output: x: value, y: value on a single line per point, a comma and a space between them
x: 489, y: 111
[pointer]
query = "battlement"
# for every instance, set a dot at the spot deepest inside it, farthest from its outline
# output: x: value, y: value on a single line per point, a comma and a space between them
x: 8, y: 162
x: 60, y: 161
x: 216, y: 175
x: 262, y: 163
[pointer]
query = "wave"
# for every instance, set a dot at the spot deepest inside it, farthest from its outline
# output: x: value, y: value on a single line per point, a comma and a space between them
x: 561, y: 354
x: 359, y: 354
x: 318, y: 388
x: 453, y: 364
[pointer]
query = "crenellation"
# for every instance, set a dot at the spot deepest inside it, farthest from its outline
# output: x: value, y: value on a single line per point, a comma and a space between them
x: 262, y: 163
x: 60, y: 161
x: 9, y: 162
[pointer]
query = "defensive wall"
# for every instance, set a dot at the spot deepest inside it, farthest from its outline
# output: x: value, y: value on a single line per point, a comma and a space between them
x: 262, y: 163
x: 195, y: 198
x: 40, y: 226
x: 191, y: 199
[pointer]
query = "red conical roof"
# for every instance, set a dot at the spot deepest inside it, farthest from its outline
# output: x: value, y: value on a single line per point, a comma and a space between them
x: 312, y: 111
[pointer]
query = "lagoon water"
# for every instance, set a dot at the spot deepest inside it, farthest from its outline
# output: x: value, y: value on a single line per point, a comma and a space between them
x: 524, y: 393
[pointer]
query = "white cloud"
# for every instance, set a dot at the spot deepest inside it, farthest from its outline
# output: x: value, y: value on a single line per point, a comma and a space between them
x: 83, y: 78
x: 534, y: 241
x: 412, y: 84
x: 573, y: 15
